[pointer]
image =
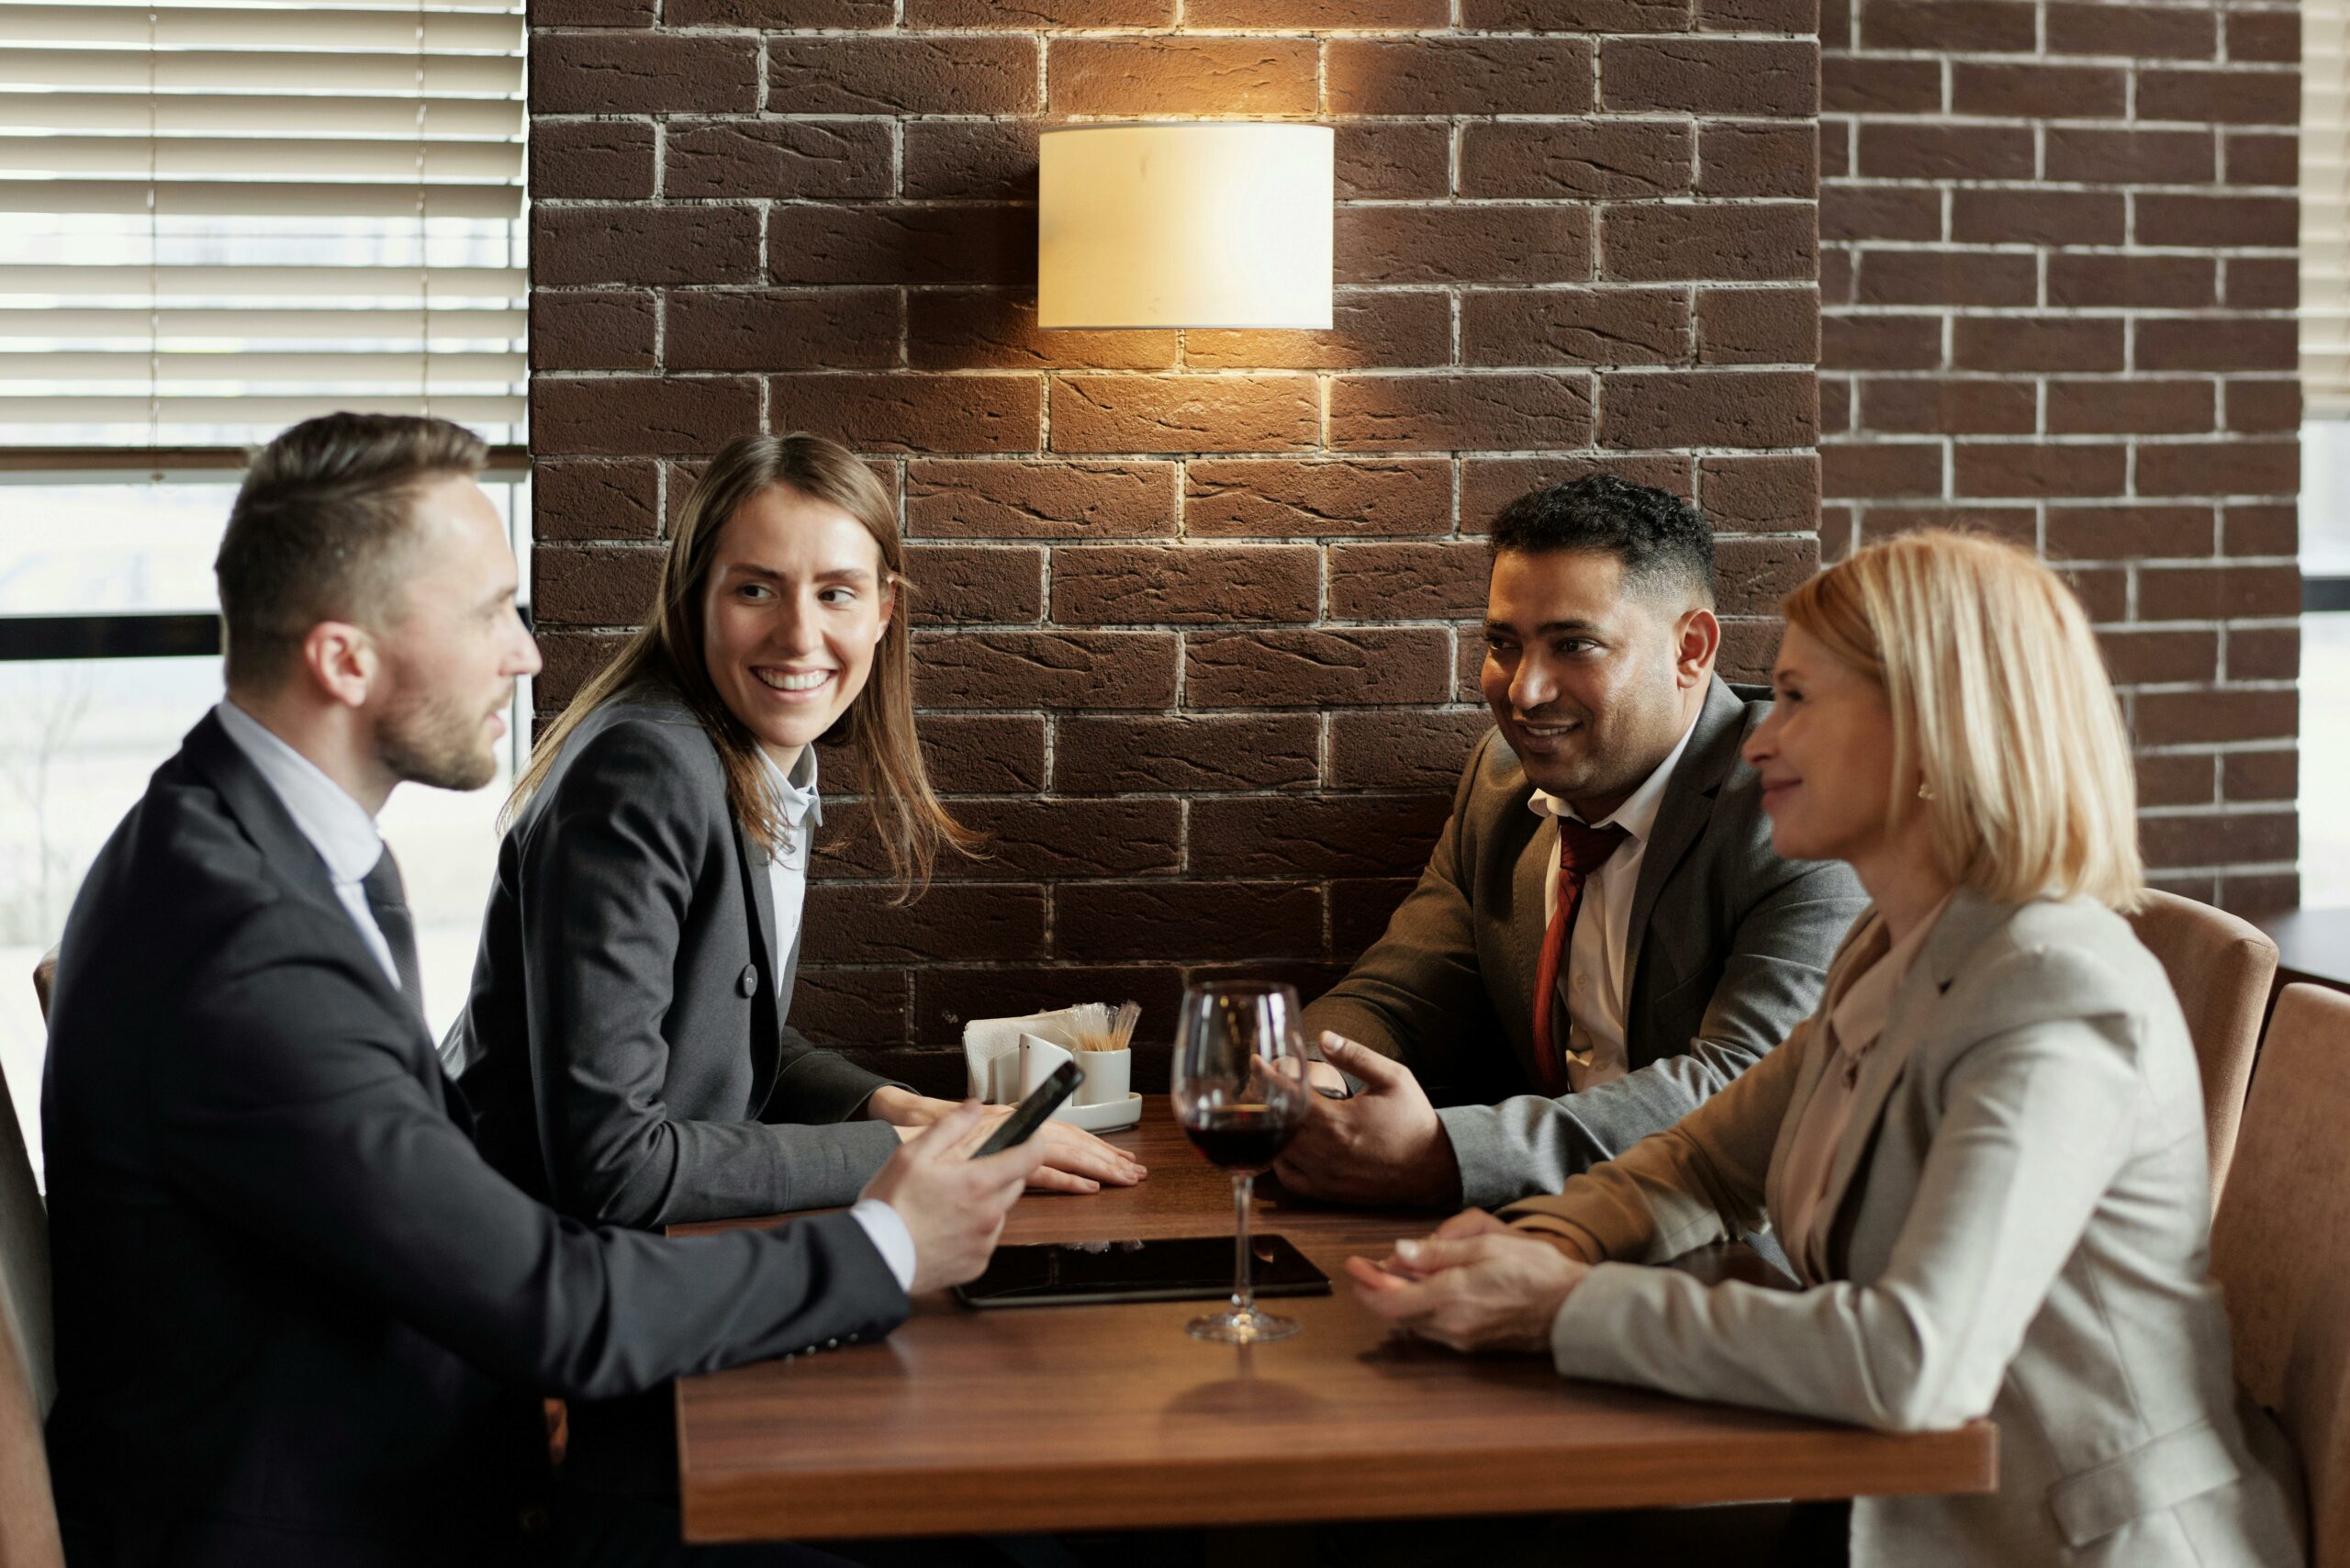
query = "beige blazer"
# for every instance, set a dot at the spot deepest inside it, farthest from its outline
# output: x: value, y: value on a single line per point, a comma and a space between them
x: 2021, y: 1215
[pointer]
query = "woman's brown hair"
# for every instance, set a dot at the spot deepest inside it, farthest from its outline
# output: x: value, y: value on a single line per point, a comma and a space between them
x: 906, y: 813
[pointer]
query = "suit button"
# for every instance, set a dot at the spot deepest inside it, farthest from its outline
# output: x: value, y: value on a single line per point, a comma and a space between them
x: 749, y: 984
x: 832, y: 1344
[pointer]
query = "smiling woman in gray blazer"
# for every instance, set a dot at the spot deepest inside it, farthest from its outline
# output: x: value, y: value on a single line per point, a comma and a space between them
x: 1983, y: 1154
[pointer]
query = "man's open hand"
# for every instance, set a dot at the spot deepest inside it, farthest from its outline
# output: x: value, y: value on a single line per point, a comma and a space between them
x: 1384, y: 1145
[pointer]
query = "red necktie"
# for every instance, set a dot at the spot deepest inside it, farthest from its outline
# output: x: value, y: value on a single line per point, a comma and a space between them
x: 1581, y: 851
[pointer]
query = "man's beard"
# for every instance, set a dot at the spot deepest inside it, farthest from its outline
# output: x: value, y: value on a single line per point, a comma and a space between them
x: 436, y: 741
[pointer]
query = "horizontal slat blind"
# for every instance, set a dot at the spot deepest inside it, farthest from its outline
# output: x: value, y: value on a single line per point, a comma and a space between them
x: 2325, y: 208
x: 216, y: 219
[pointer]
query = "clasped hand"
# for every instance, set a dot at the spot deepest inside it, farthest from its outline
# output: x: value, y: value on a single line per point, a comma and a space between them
x: 1476, y: 1284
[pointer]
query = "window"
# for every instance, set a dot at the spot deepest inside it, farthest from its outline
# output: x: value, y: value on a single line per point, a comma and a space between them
x: 2325, y: 444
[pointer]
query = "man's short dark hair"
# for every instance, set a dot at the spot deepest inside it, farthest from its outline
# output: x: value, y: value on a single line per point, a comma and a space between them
x: 320, y: 529
x: 1663, y: 543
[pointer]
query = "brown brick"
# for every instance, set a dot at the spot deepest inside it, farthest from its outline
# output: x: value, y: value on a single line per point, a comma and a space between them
x: 1284, y: 668
x: 1412, y: 748
x: 1370, y: 330
x: 1880, y: 212
x: 1041, y: 669
x: 2272, y: 37
x: 1160, y: 921
x: 1836, y: 400
x: 2173, y: 283
x: 968, y: 159
x: 847, y: 923
x: 2175, y: 778
x: 2260, y: 283
x: 996, y: 329
x: 1008, y: 15
x: 1869, y: 85
x: 1393, y: 161
x: 636, y: 246
x: 2217, y: 220
x: 1835, y: 275
x: 593, y: 13
x: 1739, y: 158
x: 2126, y: 533
x: 594, y: 585
x: 1711, y: 76
x: 1880, y: 469
x: 1457, y: 76
x: 2035, y: 342
x: 2260, y: 775
x: 2104, y: 591
x: 1590, y: 159
x: 1197, y: 413
x: 1075, y: 838
x: 1988, y: 216
x: 1759, y: 16
x: 2140, y: 32
x: 976, y: 585
x: 1283, y: 499
x: 642, y: 73
x: 902, y: 75
x: 1317, y: 14
x: 594, y: 500
x: 1497, y: 410
x: 1956, y: 27
x: 2227, y: 95
x: 1189, y: 584
x: 2264, y: 652
x: 2013, y: 523
x: 2221, y: 839
x: 1303, y: 837
x: 1835, y: 158
x: 777, y: 16
x: 629, y: 415
x: 806, y: 159
x: 591, y: 330
x: 590, y: 159
x: 1360, y: 908
x: 809, y: 243
x: 573, y: 659
x: 849, y: 1008
x: 1574, y: 326
x: 1836, y: 23
x: 2081, y: 153
x: 1881, y: 343
x: 1408, y: 582
x: 2203, y: 718
x: 836, y: 328
x: 945, y: 995
x: 2260, y: 530
x: 1181, y: 75
x: 1489, y: 484
x: 911, y: 412
x: 2258, y: 158
x: 1946, y: 277
x: 2130, y: 408
x: 1405, y: 244
x: 1576, y: 15
x: 2039, y: 92
x: 2263, y: 405
x: 1761, y: 494
x: 2217, y: 343
x: 1205, y: 755
x: 1757, y: 572
x: 1935, y: 406
x: 2023, y: 468
x: 992, y: 754
x: 1711, y: 408
x: 1040, y: 500
x: 1726, y: 242
x: 1897, y: 149
x: 2230, y: 467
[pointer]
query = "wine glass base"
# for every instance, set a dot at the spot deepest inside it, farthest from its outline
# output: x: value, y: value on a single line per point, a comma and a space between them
x: 1250, y: 1327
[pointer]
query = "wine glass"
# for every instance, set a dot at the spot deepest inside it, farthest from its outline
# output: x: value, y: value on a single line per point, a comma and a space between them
x: 1240, y: 1094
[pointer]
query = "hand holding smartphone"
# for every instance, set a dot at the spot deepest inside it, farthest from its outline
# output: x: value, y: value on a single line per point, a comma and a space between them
x: 1031, y: 1112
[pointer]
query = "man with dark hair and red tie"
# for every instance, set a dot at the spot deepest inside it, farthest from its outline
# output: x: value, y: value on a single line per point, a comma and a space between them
x: 1603, y: 936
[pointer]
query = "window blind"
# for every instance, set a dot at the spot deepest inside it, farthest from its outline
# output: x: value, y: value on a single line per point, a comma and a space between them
x: 2325, y: 208
x: 216, y: 219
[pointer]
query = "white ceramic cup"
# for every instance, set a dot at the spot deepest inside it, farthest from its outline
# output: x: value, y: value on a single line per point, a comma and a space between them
x: 1108, y: 1077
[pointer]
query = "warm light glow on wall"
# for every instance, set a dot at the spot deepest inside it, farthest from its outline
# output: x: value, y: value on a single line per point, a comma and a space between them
x: 1189, y: 224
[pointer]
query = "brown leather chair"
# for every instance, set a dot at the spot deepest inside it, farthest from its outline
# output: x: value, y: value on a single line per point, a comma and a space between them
x: 27, y: 1512
x: 2220, y: 966
x: 2280, y: 1249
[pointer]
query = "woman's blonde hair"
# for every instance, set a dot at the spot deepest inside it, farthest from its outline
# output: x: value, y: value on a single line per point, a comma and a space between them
x: 2006, y: 730
x: 905, y: 812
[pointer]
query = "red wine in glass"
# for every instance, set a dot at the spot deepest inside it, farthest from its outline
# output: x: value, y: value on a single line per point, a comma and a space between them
x: 1242, y: 1138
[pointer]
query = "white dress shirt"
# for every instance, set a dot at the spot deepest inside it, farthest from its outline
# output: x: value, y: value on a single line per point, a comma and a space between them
x: 1593, y: 981
x: 803, y: 812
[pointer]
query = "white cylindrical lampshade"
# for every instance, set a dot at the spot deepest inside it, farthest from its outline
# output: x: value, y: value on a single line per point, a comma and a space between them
x: 1189, y: 224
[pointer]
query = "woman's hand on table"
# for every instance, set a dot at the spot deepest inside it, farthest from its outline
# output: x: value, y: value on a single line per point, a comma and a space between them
x: 1074, y: 1159
x: 1476, y: 1284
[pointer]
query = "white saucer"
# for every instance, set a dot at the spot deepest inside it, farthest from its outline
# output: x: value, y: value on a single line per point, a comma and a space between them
x: 1111, y: 1117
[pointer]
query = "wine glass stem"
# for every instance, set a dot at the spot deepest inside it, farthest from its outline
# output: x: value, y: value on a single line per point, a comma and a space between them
x: 1242, y: 1303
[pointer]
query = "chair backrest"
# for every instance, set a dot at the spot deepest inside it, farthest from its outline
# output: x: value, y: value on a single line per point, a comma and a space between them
x: 28, y: 1513
x: 2280, y: 1249
x: 2220, y: 968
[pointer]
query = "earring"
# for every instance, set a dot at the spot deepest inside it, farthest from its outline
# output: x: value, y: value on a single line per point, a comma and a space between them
x: 1925, y: 791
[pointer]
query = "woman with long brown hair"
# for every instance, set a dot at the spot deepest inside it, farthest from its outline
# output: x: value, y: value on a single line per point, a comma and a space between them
x: 627, y: 1047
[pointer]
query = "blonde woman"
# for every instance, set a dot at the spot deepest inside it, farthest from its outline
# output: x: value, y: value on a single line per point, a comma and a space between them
x: 1983, y: 1154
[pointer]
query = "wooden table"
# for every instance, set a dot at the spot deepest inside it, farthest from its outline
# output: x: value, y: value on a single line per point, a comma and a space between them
x: 1067, y: 1419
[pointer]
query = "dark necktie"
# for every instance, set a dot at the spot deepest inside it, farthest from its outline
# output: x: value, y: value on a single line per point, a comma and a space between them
x: 1581, y: 851
x: 387, y: 902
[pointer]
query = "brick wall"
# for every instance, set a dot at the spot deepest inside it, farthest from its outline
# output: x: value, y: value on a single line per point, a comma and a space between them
x: 1192, y: 602
x: 2058, y: 277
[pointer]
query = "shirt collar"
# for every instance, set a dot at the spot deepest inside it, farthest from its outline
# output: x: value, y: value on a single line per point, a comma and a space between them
x: 1859, y: 1015
x: 1637, y: 815
x: 338, y: 827
x: 795, y: 792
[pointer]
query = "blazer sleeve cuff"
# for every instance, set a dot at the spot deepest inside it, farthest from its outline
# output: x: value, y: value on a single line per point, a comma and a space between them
x: 1611, y: 1302
x: 1490, y: 1172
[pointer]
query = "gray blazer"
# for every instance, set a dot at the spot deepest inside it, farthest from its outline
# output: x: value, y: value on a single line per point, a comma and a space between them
x: 2019, y: 1209
x: 625, y: 1035
x: 1729, y: 949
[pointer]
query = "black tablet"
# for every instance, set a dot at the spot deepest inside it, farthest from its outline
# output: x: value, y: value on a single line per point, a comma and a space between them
x: 1187, y: 1268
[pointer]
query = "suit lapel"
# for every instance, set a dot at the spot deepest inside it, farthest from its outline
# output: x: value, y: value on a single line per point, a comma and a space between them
x: 1810, y: 1038
x: 1682, y: 816
x: 765, y: 1046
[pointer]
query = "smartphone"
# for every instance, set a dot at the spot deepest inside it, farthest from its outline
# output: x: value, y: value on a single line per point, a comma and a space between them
x: 1031, y: 1112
